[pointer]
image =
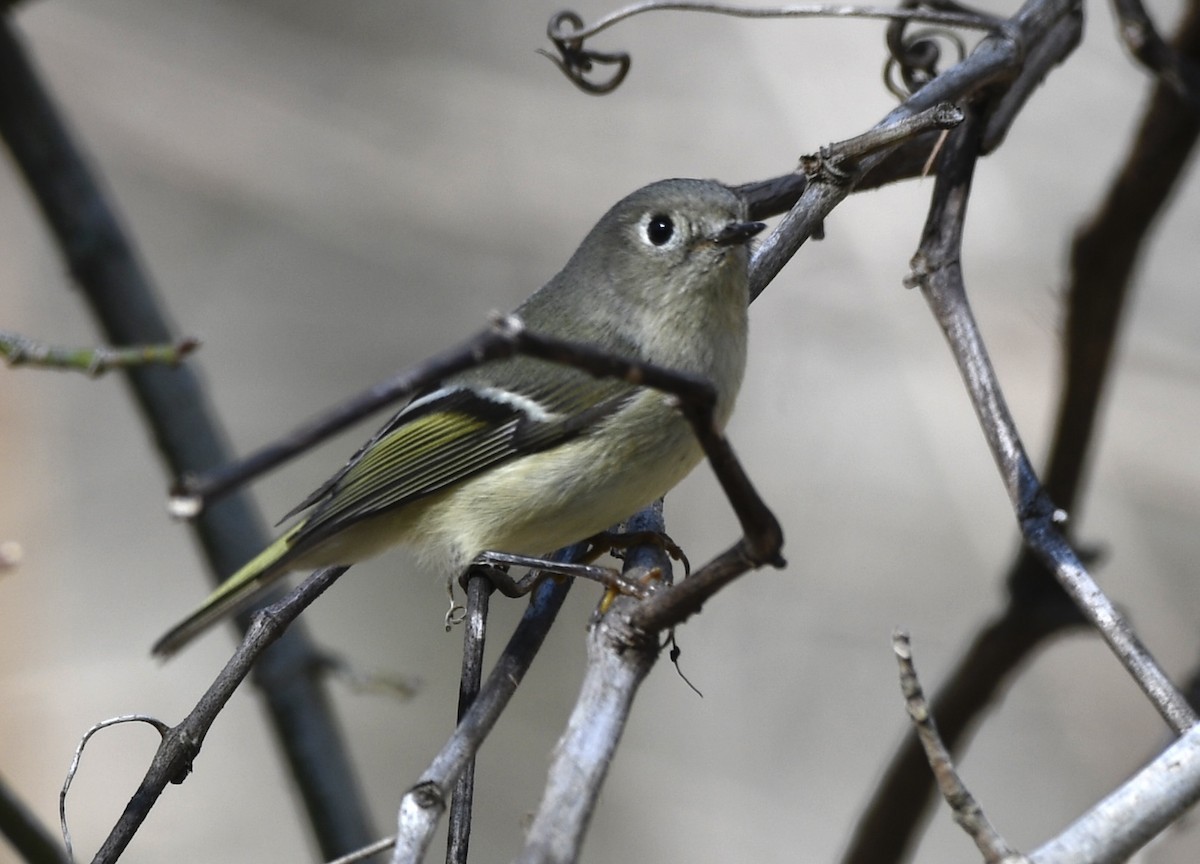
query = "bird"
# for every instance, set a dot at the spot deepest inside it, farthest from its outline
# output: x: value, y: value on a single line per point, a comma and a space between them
x: 523, y: 455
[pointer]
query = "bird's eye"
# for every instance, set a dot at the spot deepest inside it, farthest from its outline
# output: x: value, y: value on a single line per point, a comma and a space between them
x: 660, y: 229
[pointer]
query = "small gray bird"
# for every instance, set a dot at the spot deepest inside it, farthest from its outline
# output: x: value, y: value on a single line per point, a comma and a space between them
x: 523, y: 455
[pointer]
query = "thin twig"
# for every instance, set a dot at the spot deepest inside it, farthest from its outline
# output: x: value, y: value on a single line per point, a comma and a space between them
x: 845, y: 155
x: 1048, y: 29
x: 974, y: 20
x: 194, y: 492
x: 181, y: 744
x: 831, y: 175
x: 479, y: 589
x: 22, y: 351
x: 366, y: 852
x: 887, y: 828
x: 163, y: 730
x: 422, y: 806
x: 967, y: 812
x: 1173, y: 67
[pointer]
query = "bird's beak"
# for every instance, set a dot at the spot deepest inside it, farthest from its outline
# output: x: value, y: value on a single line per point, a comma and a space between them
x: 737, y: 232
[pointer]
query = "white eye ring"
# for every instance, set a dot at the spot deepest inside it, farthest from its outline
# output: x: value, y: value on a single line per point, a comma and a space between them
x: 660, y: 230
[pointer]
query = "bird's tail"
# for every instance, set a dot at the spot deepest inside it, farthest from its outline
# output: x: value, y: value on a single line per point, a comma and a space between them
x: 234, y: 594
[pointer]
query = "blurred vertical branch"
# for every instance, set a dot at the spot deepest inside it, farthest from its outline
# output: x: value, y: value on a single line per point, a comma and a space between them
x: 27, y: 836
x: 1103, y: 258
x: 104, y: 264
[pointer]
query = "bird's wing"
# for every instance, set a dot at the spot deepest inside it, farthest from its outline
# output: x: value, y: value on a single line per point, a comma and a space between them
x: 474, y: 422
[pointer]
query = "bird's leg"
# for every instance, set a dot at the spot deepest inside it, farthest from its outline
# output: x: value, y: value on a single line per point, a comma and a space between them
x: 494, y: 565
x: 611, y: 541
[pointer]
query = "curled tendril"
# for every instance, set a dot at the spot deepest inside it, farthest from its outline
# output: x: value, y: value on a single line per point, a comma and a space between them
x: 576, y: 62
x: 913, y: 60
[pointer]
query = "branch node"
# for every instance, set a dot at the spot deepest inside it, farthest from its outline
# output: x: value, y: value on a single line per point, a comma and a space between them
x: 428, y: 796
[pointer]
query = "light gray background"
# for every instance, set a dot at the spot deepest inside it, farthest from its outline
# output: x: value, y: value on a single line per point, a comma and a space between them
x: 327, y: 192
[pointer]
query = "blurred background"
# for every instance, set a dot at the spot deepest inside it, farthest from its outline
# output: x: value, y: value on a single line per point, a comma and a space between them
x: 326, y: 193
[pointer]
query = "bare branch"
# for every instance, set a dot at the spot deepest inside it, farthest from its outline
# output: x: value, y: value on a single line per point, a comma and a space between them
x: 967, y: 812
x: 181, y: 744
x: 1038, y: 23
x: 889, y: 824
x: 1103, y: 258
x: 1142, y: 807
x: 23, y: 351
x: 937, y: 270
x: 835, y: 161
x: 159, y: 726
x: 479, y: 589
x: 620, y: 656
x: 422, y: 807
x: 505, y: 338
x: 831, y: 175
x: 1173, y: 67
